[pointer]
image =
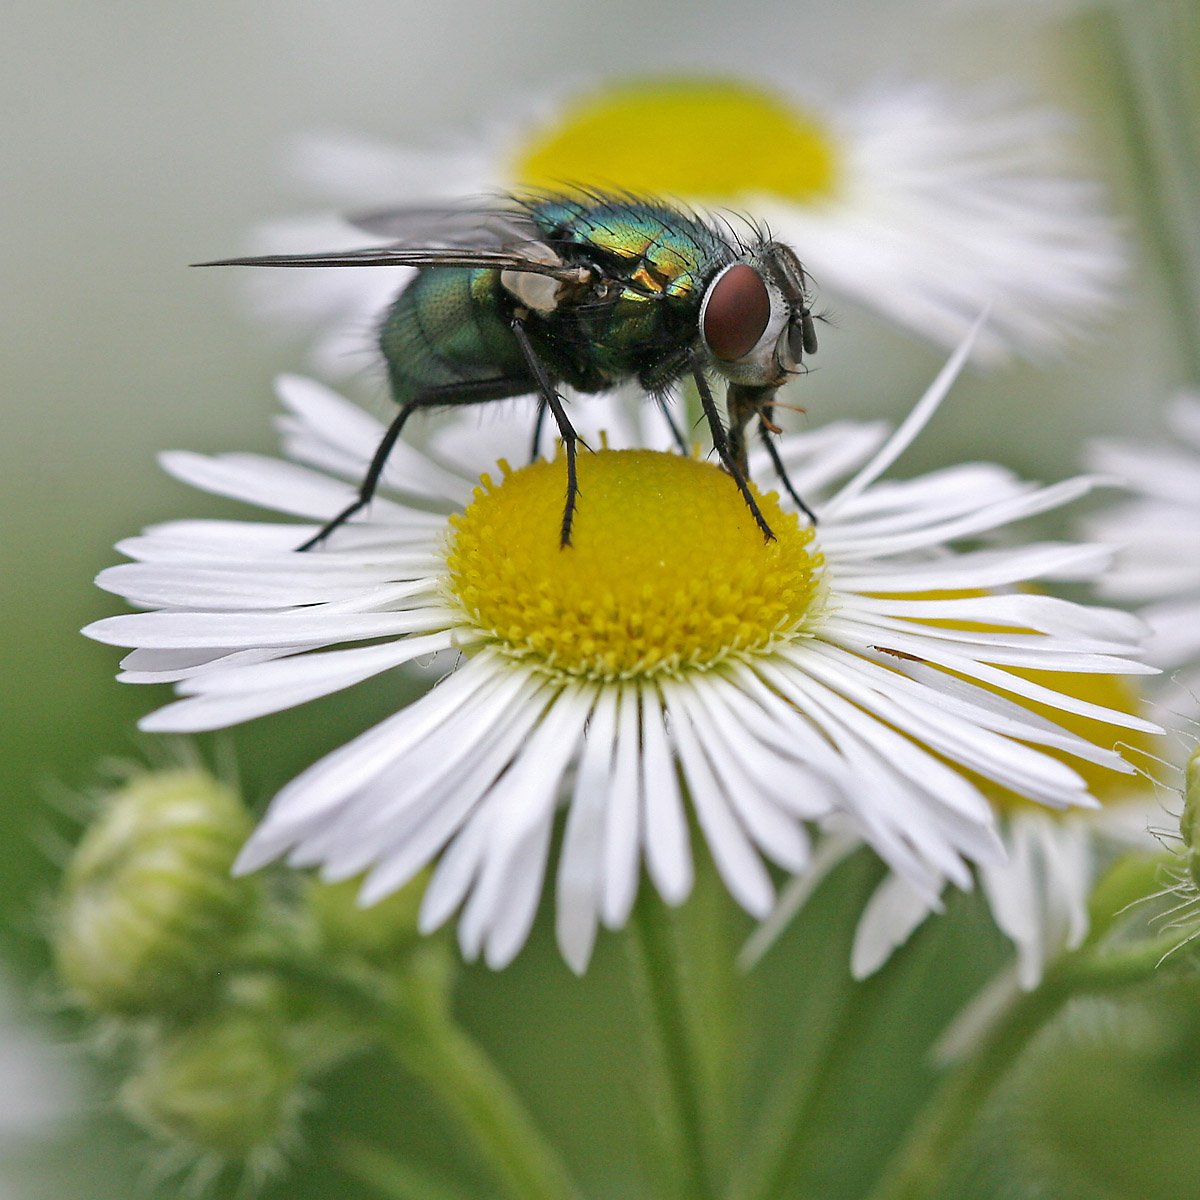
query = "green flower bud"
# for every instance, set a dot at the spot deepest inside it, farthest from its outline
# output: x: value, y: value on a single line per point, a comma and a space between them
x: 1189, y: 829
x: 380, y: 933
x: 227, y: 1087
x: 148, y: 906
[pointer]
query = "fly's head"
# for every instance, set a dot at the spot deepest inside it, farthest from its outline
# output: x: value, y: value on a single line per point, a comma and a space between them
x: 755, y: 319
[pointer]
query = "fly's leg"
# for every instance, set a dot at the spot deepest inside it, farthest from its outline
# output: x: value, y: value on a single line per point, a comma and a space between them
x: 553, y: 401
x: 764, y: 432
x: 370, y: 481
x: 732, y: 455
x: 676, y: 432
x: 473, y: 391
x: 539, y: 421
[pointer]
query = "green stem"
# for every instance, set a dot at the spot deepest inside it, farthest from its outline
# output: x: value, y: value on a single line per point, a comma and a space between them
x: 785, y: 1126
x: 1152, y: 48
x: 395, y: 1179
x: 420, y: 1031
x: 657, y: 986
x: 428, y: 1041
x: 918, y: 1169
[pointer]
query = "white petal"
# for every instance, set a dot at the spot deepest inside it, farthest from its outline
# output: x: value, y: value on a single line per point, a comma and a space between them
x: 667, y: 844
x: 239, y: 693
x: 980, y: 569
x: 889, y: 919
x: 622, y: 833
x: 580, y: 860
x: 738, y: 864
x: 318, y: 625
x: 326, y: 785
x: 517, y: 814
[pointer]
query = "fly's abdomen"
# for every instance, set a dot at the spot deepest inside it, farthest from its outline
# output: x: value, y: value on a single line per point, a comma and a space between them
x: 448, y: 326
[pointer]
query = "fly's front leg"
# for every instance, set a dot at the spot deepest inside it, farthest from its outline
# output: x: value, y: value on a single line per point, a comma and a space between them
x: 566, y: 431
x: 725, y: 450
x: 766, y: 430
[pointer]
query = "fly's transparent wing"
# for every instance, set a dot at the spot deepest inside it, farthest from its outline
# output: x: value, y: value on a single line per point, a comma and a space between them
x: 449, y: 226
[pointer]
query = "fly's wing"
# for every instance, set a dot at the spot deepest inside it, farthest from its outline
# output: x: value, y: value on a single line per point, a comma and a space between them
x: 449, y: 226
x: 504, y: 239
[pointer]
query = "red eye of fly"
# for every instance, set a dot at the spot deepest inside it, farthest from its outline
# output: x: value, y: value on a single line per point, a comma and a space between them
x: 736, y: 313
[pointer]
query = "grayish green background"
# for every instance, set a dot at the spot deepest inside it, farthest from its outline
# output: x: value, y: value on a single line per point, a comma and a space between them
x: 138, y: 137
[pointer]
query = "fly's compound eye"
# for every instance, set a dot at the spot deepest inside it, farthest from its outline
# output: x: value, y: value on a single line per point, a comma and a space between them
x: 736, y: 311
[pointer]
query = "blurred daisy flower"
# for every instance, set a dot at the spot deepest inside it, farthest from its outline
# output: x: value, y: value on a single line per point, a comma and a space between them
x: 865, y: 668
x: 1157, y: 531
x: 922, y: 204
x: 1038, y: 891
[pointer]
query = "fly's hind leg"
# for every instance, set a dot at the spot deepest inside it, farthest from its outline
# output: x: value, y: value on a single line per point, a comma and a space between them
x: 664, y: 406
x: 474, y: 391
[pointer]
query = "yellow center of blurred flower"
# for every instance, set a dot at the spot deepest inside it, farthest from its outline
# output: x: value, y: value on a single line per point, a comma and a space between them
x: 667, y: 570
x: 704, y: 140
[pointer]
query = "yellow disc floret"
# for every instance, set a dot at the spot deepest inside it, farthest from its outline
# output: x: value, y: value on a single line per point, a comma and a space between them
x: 708, y: 140
x: 666, y: 571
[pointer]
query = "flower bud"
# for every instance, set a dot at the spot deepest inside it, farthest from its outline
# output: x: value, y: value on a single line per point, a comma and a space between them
x: 379, y: 933
x: 226, y: 1087
x: 1189, y: 822
x: 148, y: 906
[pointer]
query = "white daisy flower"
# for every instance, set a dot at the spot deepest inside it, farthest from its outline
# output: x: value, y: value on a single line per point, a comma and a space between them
x: 670, y: 657
x: 1158, y: 533
x: 920, y: 203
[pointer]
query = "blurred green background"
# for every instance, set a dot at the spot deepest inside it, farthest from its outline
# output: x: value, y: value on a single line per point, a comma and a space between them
x: 140, y: 137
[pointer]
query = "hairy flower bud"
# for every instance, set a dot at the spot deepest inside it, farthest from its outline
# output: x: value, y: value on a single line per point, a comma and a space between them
x: 227, y: 1087
x: 148, y: 906
x: 1189, y: 821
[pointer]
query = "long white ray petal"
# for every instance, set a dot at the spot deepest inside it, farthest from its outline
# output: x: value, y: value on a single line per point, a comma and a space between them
x: 236, y: 694
x: 892, y: 914
x: 579, y: 864
x: 268, y: 483
x: 912, y: 425
x: 327, y: 783
x: 619, y: 877
x: 179, y: 630
x: 432, y: 818
x: 665, y: 829
x: 739, y: 865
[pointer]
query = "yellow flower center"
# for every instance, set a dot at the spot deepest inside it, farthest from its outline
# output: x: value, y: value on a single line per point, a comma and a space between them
x: 705, y: 140
x: 667, y: 570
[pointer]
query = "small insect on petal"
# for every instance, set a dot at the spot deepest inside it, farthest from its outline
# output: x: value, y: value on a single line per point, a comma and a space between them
x: 736, y: 312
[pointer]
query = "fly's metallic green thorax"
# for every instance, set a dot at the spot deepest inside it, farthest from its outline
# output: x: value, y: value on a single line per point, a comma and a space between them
x: 520, y: 297
x: 661, y: 251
